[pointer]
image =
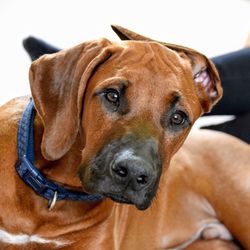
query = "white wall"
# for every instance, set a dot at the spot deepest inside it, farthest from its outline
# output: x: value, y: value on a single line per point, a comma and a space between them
x: 211, y: 26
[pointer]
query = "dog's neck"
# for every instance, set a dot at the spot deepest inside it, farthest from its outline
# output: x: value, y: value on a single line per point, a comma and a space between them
x: 27, y: 212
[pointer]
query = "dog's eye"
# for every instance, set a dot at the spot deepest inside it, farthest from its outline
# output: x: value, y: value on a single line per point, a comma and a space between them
x: 178, y: 118
x: 112, y: 96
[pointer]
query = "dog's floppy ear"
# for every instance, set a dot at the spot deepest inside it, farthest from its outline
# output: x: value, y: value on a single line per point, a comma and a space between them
x: 57, y: 84
x: 205, y: 75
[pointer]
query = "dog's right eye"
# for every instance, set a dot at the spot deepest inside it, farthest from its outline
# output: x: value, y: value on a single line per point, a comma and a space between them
x: 112, y: 96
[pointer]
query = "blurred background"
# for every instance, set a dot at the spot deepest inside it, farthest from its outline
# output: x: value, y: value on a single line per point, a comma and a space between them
x: 213, y: 27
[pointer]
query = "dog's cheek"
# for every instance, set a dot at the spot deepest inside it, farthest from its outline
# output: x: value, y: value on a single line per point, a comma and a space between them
x: 83, y: 174
x: 170, y: 145
x: 93, y: 181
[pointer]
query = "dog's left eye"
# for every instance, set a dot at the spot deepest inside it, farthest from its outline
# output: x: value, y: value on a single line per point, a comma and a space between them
x: 178, y: 118
x: 112, y: 96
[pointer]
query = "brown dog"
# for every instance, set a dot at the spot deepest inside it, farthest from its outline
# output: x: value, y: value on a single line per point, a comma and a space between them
x: 110, y: 116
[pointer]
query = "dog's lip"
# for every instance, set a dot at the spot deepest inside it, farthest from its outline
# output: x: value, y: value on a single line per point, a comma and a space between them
x: 118, y: 198
x: 122, y: 199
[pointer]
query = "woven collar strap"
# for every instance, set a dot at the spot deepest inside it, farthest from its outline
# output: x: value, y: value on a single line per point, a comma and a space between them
x: 31, y: 175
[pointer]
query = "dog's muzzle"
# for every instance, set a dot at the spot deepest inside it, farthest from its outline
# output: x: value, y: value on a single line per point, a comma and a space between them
x: 127, y: 171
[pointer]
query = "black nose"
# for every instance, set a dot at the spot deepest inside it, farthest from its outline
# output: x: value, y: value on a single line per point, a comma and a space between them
x: 135, y: 173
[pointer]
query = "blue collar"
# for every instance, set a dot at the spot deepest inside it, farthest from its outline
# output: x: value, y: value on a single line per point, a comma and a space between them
x: 31, y: 175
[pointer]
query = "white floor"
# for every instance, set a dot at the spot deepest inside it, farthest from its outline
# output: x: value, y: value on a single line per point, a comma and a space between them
x: 210, y: 26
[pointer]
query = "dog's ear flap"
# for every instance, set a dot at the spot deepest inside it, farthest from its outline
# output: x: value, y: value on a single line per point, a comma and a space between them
x: 205, y: 75
x: 57, y: 84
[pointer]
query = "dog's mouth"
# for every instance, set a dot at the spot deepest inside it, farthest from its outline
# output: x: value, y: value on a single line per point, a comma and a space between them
x: 142, y: 205
x: 119, y: 198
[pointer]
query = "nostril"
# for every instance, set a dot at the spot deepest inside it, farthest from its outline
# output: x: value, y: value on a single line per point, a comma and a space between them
x: 120, y: 170
x: 142, y: 179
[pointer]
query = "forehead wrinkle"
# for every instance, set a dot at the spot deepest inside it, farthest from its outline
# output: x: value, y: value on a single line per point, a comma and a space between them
x: 138, y: 53
x: 139, y: 59
x: 166, y: 57
x: 148, y: 52
x: 151, y: 55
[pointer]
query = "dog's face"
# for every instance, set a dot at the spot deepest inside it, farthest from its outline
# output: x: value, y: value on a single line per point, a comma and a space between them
x: 138, y: 109
x: 135, y: 104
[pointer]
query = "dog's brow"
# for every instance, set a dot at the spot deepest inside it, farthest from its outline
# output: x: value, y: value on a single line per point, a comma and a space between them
x: 175, y: 98
x: 120, y: 82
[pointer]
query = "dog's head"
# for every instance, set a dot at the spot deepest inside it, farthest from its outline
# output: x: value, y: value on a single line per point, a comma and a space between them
x: 132, y: 103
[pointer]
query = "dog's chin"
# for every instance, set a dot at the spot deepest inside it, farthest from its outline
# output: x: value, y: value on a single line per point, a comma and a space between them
x: 122, y: 199
x: 119, y: 198
x: 140, y: 203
